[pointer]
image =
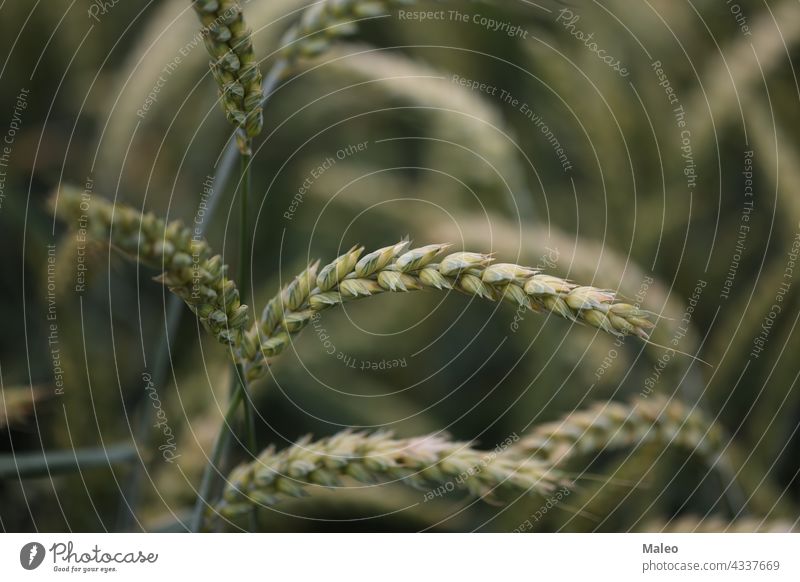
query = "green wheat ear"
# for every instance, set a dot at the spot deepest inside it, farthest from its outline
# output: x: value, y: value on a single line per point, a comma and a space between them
x: 421, y: 462
x: 328, y: 20
x: 233, y: 63
x: 607, y: 426
x: 189, y: 268
x: 398, y: 269
x: 198, y: 277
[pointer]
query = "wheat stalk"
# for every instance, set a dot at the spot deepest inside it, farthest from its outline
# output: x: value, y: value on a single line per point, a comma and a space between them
x: 397, y: 269
x: 612, y: 425
x: 233, y: 64
x: 189, y: 268
x: 370, y: 458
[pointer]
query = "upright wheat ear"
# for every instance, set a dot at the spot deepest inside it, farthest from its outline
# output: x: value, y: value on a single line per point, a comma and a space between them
x: 233, y: 64
x: 422, y: 462
x: 397, y: 269
x: 609, y: 426
x: 189, y: 268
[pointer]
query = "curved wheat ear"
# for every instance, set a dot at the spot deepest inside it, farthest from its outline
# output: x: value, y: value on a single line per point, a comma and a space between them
x: 234, y: 64
x: 421, y: 462
x: 325, y: 21
x: 715, y: 524
x: 190, y: 269
x: 613, y: 425
x: 397, y: 269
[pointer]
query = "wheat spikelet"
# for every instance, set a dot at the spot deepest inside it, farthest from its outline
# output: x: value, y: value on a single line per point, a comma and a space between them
x: 613, y: 425
x: 369, y: 458
x: 234, y: 64
x: 716, y: 524
x: 397, y: 269
x: 190, y: 269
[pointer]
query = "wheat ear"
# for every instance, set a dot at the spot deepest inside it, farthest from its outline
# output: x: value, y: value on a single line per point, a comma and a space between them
x: 612, y: 425
x: 420, y: 462
x: 397, y: 269
x: 327, y: 20
x: 189, y: 268
x: 233, y: 63
x: 324, y: 21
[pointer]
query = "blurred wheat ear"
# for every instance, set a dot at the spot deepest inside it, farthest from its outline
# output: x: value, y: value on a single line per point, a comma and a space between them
x: 607, y: 426
x: 422, y: 462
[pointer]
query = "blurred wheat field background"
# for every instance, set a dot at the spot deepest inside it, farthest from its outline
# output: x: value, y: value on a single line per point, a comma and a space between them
x: 645, y: 148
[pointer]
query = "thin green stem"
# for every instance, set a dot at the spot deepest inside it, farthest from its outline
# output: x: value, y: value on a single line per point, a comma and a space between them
x: 224, y: 437
x: 245, y: 244
x: 239, y: 388
x: 220, y: 444
x: 245, y: 237
x: 175, y: 309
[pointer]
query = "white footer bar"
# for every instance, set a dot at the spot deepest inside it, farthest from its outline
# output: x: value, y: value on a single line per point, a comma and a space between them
x: 401, y: 557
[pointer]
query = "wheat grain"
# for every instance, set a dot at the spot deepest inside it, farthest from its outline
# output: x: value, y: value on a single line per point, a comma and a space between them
x: 612, y: 425
x: 189, y: 268
x: 234, y: 64
x: 370, y: 458
x: 397, y: 269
